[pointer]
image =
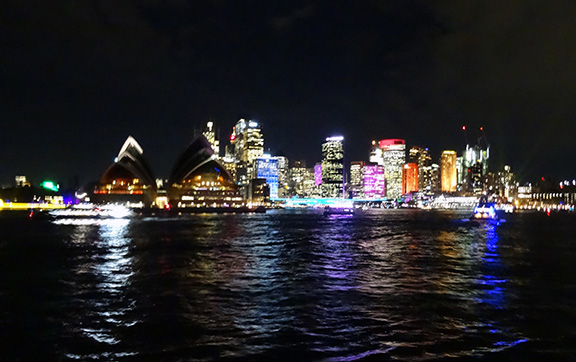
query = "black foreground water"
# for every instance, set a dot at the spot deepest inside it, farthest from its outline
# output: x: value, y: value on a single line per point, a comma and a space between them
x: 290, y: 286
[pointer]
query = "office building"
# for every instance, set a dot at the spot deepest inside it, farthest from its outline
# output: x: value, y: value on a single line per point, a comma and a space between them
x: 409, y: 178
x: 267, y: 169
x: 210, y: 133
x: 393, y: 159
x: 374, y: 181
x: 421, y: 156
x: 333, y: 167
x: 355, y: 187
x: 449, y: 174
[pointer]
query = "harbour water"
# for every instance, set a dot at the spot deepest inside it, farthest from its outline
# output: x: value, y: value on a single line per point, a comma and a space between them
x: 407, y: 285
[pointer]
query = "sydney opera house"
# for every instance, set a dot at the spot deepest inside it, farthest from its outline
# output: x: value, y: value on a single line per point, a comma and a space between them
x: 197, y: 180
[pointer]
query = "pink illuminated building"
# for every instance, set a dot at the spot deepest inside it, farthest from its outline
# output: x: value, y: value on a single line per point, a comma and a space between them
x: 318, y: 174
x: 374, y: 184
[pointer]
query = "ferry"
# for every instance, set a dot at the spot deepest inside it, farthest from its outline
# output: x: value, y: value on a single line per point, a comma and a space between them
x: 343, y: 207
x: 93, y: 211
x: 485, y: 211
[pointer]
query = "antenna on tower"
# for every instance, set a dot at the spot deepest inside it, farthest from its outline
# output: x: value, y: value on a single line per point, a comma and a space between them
x: 483, y: 135
x: 465, y: 135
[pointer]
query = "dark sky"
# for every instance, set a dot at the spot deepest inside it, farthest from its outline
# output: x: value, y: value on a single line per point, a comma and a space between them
x: 78, y: 77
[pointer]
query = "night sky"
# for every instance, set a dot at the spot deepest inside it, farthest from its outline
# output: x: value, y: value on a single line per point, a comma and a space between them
x: 78, y: 77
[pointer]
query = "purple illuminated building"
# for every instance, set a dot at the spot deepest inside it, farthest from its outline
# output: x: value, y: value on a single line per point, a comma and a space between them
x: 374, y: 184
x: 318, y: 174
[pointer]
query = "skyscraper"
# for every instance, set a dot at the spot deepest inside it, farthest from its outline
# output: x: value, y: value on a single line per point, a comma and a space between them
x: 394, y: 158
x: 376, y: 154
x: 317, y: 174
x: 374, y: 182
x: 356, y: 182
x: 254, y: 145
x: 409, y: 178
x: 474, y: 167
x: 422, y: 157
x: 246, y: 144
x: 210, y: 134
x: 267, y: 168
x: 448, y: 171
x: 283, y: 170
x: 333, y: 167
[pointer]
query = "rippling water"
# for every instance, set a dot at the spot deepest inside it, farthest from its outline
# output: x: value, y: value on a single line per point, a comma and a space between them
x: 289, y: 285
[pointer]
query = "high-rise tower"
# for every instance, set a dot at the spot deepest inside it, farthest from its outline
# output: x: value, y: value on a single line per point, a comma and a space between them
x: 210, y: 134
x: 333, y: 167
x: 246, y: 144
x: 448, y: 171
x: 422, y: 158
x: 409, y: 178
x: 394, y: 158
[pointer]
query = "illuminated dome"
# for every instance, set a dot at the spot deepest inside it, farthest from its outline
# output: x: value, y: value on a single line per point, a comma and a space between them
x: 196, y: 164
x: 129, y: 165
x: 129, y: 179
x: 199, y: 180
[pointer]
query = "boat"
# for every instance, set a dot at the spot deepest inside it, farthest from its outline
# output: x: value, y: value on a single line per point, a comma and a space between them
x: 93, y: 211
x: 344, y: 207
x: 484, y: 211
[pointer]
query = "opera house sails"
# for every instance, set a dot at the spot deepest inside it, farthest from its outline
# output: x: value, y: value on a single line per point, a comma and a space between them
x: 197, y: 180
x: 128, y: 180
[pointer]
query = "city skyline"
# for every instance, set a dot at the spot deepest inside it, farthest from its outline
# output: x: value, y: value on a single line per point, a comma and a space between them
x: 221, y: 150
x: 79, y: 77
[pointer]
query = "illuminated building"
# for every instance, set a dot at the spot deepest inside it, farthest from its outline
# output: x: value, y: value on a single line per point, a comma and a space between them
x: 356, y: 183
x: 210, y: 135
x: 333, y: 167
x: 301, y: 180
x: 128, y: 180
x: 258, y: 192
x: 283, y: 169
x: 198, y: 179
x: 267, y: 169
x: 473, y: 168
x: 435, y: 178
x: 374, y: 182
x: 409, y: 178
x: 393, y: 159
x: 254, y: 145
x: 317, y: 174
x: 246, y: 144
x: 376, y: 154
x: 422, y: 157
x: 21, y: 181
x: 448, y: 171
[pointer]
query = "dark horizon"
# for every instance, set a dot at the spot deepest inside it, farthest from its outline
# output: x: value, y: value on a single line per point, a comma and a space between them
x: 79, y: 77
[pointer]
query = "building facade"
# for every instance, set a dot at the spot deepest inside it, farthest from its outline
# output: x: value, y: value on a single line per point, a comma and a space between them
x: 267, y: 169
x: 393, y: 159
x: 409, y: 178
x: 356, y: 181
x: 449, y: 172
x: 333, y: 167
x: 374, y: 181
x: 210, y: 133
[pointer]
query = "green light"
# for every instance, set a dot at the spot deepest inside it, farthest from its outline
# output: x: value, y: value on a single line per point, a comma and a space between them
x: 50, y: 185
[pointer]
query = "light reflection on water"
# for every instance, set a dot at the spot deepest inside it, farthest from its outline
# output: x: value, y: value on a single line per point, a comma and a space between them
x: 103, y: 278
x: 398, y: 285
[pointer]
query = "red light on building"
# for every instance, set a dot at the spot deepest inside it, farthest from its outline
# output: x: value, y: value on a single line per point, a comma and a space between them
x: 391, y: 142
x: 232, y: 137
